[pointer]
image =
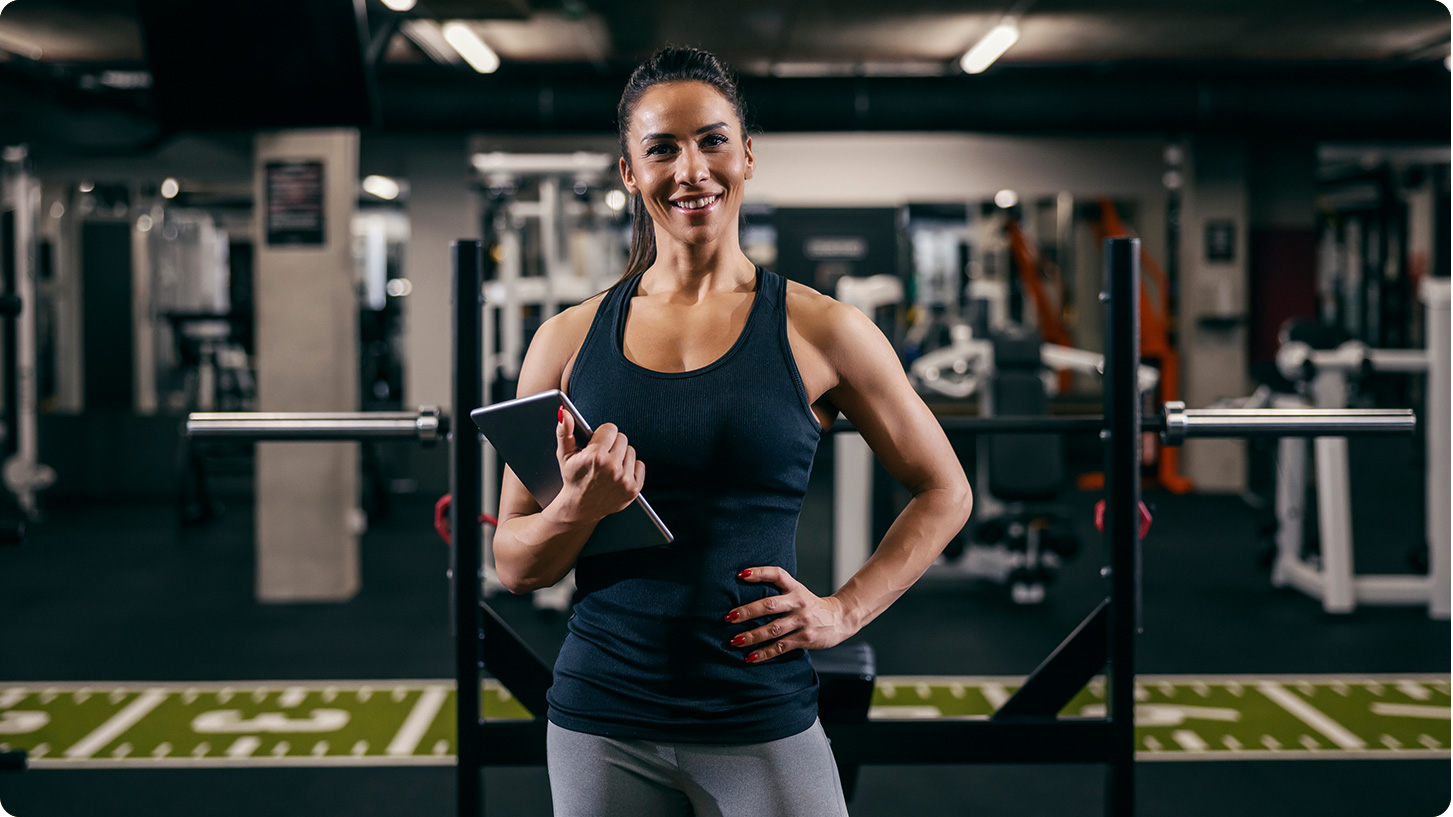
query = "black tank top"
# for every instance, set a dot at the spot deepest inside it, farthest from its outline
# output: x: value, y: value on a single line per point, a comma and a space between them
x: 728, y: 449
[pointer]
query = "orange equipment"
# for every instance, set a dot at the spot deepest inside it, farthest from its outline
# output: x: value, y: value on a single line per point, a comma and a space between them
x: 1050, y: 314
x: 1155, y: 342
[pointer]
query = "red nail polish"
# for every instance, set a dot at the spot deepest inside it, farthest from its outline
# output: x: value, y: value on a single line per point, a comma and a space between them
x: 739, y: 641
x: 752, y: 657
x: 560, y: 415
x: 744, y: 574
x: 733, y: 616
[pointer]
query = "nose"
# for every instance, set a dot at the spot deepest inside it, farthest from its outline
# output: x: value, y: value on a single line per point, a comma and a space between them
x: 691, y: 166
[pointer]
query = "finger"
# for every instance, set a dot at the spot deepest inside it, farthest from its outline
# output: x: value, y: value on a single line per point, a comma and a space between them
x: 565, y: 435
x: 771, y: 574
x: 783, y: 626
x: 770, y: 606
x: 640, y: 482
x: 776, y: 649
x: 618, y: 447
x: 628, y: 469
x: 604, y: 437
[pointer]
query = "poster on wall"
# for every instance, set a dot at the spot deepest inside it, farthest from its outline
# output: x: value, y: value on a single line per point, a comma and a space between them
x: 295, y: 204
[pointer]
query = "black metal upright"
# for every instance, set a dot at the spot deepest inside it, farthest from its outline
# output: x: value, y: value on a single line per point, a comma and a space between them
x: 466, y: 475
x: 1122, y: 510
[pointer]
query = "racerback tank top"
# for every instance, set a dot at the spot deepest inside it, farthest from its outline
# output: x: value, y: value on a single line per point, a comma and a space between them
x: 728, y: 450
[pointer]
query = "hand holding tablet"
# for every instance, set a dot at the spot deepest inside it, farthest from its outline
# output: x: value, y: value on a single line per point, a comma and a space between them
x: 526, y: 432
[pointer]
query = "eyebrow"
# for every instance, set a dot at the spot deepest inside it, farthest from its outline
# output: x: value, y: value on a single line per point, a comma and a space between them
x: 648, y: 137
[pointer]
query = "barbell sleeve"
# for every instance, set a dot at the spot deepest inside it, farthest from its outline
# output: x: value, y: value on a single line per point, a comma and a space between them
x: 426, y: 425
x: 1182, y: 423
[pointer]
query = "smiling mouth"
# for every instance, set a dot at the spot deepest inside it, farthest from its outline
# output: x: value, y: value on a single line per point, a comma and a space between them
x: 696, y: 204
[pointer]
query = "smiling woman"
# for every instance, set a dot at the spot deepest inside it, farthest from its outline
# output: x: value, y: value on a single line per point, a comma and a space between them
x: 684, y: 685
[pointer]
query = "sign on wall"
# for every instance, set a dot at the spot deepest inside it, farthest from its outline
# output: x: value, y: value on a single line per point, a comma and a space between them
x: 295, y: 204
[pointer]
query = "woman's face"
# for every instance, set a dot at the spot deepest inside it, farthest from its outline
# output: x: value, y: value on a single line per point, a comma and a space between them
x: 688, y: 160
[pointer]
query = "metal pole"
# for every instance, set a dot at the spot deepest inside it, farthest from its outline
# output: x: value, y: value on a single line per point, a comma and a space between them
x: 1122, y: 511
x: 465, y: 472
x: 425, y: 425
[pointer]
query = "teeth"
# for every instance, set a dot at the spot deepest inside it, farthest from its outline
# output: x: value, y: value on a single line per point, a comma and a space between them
x: 696, y: 204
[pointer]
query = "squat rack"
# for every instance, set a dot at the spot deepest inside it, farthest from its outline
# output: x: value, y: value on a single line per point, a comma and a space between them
x: 1025, y: 729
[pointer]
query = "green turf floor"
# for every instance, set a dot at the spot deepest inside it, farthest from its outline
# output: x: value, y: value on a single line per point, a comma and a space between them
x: 412, y: 722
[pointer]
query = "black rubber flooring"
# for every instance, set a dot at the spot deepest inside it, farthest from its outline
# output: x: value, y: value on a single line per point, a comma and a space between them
x: 118, y: 592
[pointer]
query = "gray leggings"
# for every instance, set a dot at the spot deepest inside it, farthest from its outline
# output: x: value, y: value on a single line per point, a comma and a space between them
x: 593, y: 776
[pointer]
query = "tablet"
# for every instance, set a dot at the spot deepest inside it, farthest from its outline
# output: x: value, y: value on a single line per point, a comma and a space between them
x: 523, y: 432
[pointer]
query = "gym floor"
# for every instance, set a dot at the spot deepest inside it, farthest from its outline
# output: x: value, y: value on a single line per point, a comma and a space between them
x: 117, y: 596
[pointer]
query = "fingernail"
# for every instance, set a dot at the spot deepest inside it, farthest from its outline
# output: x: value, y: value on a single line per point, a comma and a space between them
x: 560, y: 415
x: 733, y: 616
x: 739, y: 641
x: 751, y: 658
x: 744, y: 574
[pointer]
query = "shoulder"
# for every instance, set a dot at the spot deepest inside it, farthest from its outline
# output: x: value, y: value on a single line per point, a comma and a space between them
x: 824, y: 321
x: 555, y: 345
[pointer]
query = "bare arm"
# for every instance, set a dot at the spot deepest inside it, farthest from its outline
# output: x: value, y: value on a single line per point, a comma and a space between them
x: 535, y: 547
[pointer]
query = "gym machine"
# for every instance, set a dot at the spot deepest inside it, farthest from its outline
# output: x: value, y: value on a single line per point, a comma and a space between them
x: 1330, y: 576
x: 1025, y: 729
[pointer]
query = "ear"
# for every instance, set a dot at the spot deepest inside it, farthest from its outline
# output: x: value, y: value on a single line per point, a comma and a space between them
x: 628, y: 177
x: 751, y: 162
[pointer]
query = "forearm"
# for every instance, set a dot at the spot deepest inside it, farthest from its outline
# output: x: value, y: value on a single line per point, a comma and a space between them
x: 534, y: 551
x: 916, y: 538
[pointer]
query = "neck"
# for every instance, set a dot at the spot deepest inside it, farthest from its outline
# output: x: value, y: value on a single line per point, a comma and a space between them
x: 700, y: 268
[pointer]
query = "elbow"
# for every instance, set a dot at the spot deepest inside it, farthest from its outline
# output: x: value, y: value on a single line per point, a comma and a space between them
x: 517, y: 582
x: 963, y: 500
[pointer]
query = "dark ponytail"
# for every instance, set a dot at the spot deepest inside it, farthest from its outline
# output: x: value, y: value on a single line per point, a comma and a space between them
x: 666, y: 65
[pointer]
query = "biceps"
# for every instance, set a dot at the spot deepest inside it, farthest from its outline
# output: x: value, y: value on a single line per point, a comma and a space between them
x: 515, y: 499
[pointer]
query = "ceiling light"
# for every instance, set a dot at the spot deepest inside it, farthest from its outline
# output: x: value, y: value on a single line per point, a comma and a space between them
x: 991, y: 48
x: 615, y: 200
x: 381, y: 186
x: 1006, y: 198
x: 3, y: 4
x: 170, y: 189
x: 479, y: 56
x: 426, y: 35
x: 399, y: 5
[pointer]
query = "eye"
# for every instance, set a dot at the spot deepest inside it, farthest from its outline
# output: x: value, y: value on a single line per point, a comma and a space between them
x: 713, y: 140
x: 658, y: 149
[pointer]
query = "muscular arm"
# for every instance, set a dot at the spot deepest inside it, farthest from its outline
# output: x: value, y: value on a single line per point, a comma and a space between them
x: 535, y: 547
x: 874, y: 393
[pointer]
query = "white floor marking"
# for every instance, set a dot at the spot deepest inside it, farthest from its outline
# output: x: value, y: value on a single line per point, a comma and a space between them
x: 224, y: 695
x: 281, y: 748
x: 190, y: 695
x: 364, y: 693
x: 1234, y: 688
x: 1417, y: 692
x: 922, y: 689
x: 1141, y: 693
x: 360, y: 748
x: 1374, y: 687
x: 1390, y: 742
x: 259, y: 695
x: 22, y: 721
x: 122, y: 750
x: 201, y: 749
x: 49, y: 695
x: 162, y: 749
x: 43, y: 749
x: 1310, y: 715
x: 1306, y: 688
x: 244, y: 746
x: 12, y: 696
x: 117, y: 724
x: 116, y: 696
x: 81, y: 695
x: 904, y: 712
x: 1339, y: 688
x: 329, y: 693
x: 1201, y: 689
x: 887, y: 689
x: 957, y: 690
x: 994, y: 693
x: 1309, y: 742
x: 291, y: 697
x: 1166, y: 689
x: 441, y: 747
x: 1188, y: 740
x: 421, y: 717
x: 1270, y: 742
x: 1410, y: 710
x: 320, y: 748
x: 1429, y: 741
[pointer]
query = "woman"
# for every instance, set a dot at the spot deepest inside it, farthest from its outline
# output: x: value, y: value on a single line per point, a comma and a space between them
x: 683, y: 686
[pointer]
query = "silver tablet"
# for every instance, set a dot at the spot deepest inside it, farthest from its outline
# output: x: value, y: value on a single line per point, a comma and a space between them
x: 523, y: 432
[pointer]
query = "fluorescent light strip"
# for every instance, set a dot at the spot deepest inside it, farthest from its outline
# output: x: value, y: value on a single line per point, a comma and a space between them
x: 381, y: 186
x: 479, y: 56
x: 400, y: 5
x: 989, y: 49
